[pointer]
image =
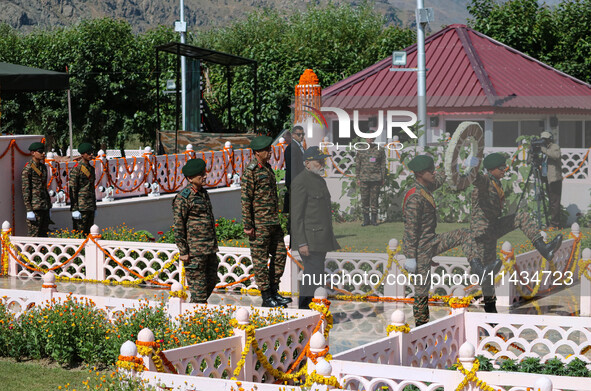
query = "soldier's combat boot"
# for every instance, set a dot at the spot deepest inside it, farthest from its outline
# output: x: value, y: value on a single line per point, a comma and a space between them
x: 374, y: 219
x: 548, y: 250
x: 280, y: 299
x: 478, y: 268
x: 365, y: 220
x: 269, y: 300
x: 490, y: 307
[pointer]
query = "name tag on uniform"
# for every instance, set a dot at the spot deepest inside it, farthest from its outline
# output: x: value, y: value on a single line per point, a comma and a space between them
x: 373, y: 160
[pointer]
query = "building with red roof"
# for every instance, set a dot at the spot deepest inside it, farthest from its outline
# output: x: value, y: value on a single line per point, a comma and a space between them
x: 471, y: 76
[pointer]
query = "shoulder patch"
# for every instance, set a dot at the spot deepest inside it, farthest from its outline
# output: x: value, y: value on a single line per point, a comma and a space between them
x: 407, y: 196
x: 186, y: 192
x: 252, y: 165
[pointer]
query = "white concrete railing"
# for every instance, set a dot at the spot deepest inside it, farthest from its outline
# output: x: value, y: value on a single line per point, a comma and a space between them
x: 419, y: 356
x: 356, y: 273
x: 129, y: 176
x: 342, y: 162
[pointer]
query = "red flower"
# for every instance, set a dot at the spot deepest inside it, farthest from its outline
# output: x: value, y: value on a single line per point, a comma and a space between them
x: 233, y: 221
x: 216, y: 224
x: 160, y: 233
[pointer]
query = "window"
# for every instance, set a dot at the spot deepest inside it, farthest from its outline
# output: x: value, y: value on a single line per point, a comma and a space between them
x: 505, y: 133
x: 532, y: 128
x: 570, y: 134
x: 587, y: 143
x: 451, y: 126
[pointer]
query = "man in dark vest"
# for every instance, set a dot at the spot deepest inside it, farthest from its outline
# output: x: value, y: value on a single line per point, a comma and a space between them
x: 311, y: 223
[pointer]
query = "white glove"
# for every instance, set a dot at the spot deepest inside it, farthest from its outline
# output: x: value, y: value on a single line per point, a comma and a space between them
x: 31, y: 216
x: 76, y: 215
x: 471, y: 162
x: 410, y: 264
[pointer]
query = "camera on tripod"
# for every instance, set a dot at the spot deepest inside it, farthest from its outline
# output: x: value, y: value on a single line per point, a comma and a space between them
x: 535, y: 150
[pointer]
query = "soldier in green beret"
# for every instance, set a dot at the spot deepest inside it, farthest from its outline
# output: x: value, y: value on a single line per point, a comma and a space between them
x: 194, y: 232
x: 487, y: 225
x: 260, y: 216
x: 35, y: 195
x: 81, y: 185
x: 420, y: 242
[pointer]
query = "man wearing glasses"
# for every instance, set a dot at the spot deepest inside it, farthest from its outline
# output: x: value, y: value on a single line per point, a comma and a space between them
x: 312, y: 230
x: 487, y: 225
x: 35, y: 194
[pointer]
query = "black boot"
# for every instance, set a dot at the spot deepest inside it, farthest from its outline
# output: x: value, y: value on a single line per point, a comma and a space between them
x: 280, y: 299
x: 304, y: 302
x: 490, y: 307
x: 374, y: 219
x: 365, y: 220
x: 548, y: 250
x: 269, y: 300
x: 476, y: 267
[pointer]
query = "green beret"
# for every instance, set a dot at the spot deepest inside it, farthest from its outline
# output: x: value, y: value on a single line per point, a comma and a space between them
x: 85, y: 148
x: 494, y: 160
x: 194, y: 167
x: 36, y: 146
x: 421, y: 163
x: 260, y: 142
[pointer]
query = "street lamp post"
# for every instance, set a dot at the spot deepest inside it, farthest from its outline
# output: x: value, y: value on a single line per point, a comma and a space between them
x: 181, y: 27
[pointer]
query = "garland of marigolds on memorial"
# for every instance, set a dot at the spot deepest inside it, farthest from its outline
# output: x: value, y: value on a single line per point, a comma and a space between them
x: 131, y: 363
x: 152, y: 350
x: 10, y: 247
x: 470, y: 376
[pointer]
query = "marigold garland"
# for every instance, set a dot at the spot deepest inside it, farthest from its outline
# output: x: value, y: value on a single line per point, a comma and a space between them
x: 319, y: 379
x: 405, y: 328
x: 180, y: 294
x: 471, y: 377
x: 131, y: 363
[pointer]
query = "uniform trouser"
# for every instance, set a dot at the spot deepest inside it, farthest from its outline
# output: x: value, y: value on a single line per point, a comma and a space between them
x: 426, y: 252
x: 370, y: 193
x: 84, y: 223
x: 312, y: 276
x: 202, y: 276
x: 484, y: 247
x: 554, y: 195
x: 268, y: 242
x: 40, y: 226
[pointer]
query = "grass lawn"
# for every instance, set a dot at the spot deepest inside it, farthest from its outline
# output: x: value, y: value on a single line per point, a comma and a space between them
x: 39, y: 376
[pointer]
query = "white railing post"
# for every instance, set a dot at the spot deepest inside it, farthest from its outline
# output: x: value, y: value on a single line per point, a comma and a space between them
x: 146, y: 336
x: 12, y: 265
x: 503, y: 289
x: 242, y: 316
x: 94, y: 258
x: 398, y: 319
x: 585, y: 283
x: 175, y: 303
x: 543, y: 384
x: 392, y: 288
x: 467, y: 356
x: 127, y: 353
x: 459, y: 293
x: 317, y: 345
x: 321, y: 294
x: 324, y: 369
x: 48, y: 288
x: 289, y: 280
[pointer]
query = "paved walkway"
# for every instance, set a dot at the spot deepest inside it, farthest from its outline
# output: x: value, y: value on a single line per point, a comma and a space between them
x: 355, y: 323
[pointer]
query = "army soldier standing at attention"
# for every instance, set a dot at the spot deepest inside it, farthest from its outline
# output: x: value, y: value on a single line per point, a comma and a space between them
x: 35, y: 194
x: 420, y: 241
x: 82, y: 192
x: 260, y: 216
x: 370, y: 167
x: 488, y: 226
x: 194, y: 232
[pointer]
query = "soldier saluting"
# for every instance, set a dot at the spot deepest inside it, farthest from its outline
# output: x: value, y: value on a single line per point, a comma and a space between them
x: 194, y: 232
x: 260, y: 216
x: 82, y: 193
x: 35, y: 194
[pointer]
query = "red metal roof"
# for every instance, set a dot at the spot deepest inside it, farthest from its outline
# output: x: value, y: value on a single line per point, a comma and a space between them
x: 466, y: 69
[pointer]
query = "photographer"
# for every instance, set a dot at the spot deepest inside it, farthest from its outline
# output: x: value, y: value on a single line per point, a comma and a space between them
x: 552, y: 172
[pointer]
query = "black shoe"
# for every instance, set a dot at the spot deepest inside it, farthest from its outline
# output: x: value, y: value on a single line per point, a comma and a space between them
x: 280, y: 299
x: 490, y: 307
x: 476, y: 267
x: 548, y: 250
x: 365, y: 220
x: 269, y: 300
x: 304, y: 302
x: 374, y: 219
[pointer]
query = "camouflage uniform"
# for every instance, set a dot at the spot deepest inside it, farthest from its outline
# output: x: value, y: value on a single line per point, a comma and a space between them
x: 36, y: 197
x: 194, y: 234
x: 370, y: 167
x: 82, y: 195
x: 260, y: 210
x: 422, y: 243
x: 488, y: 226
